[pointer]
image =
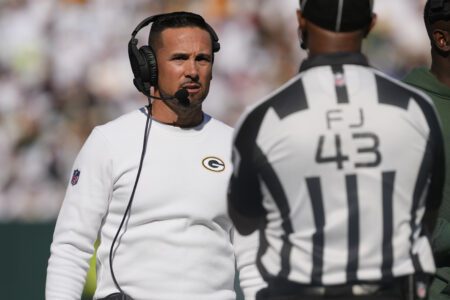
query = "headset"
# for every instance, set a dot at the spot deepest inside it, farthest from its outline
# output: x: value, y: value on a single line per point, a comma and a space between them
x: 143, y: 60
x: 145, y: 71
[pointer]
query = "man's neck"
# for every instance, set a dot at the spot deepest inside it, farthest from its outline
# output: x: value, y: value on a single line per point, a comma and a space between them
x: 184, y: 118
x: 440, y: 67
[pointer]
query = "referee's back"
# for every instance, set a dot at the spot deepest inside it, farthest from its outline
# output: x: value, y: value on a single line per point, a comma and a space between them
x: 341, y: 163
x: 346, y: 156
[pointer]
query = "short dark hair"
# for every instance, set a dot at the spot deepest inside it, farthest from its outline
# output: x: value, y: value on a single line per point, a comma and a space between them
x: 179, y: 20
x: 434, y: 11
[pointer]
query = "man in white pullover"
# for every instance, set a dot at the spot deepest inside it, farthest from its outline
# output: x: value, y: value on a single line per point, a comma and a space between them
x: 162, y: 212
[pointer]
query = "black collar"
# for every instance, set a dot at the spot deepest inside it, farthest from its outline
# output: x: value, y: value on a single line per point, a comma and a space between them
x: 340, y: 58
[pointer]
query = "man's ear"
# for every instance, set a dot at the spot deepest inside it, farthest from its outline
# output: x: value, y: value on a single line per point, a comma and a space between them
x: 441, y: 40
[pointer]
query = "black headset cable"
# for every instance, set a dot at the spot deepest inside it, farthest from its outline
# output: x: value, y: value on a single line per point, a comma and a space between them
x: 144, y: 148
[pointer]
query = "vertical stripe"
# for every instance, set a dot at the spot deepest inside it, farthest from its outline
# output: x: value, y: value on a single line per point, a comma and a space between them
x: 339, y: 15
x: 263, y: 245
x: 315, y: 194
x: 285, y: 257
x: 340, y: 84
x: 418, y: 191
x: 388, y: 179
x: 353, y: 227
x: 303, y: 3
x: 276, y: 190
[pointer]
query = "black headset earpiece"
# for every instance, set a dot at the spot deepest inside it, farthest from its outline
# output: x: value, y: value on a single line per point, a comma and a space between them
x: 143, y: 60
x: 215, y: 39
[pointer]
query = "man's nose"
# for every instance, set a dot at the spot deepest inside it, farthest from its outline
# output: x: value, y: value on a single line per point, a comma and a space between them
x: 191, y: 70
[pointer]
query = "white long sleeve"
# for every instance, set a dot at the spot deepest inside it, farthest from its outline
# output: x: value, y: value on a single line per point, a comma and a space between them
x: 176, y: 244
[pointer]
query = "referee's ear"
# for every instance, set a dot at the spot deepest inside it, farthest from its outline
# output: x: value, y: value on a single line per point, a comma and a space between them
x: 301, y: 20
x: 372, y: 23
x: 302, y: 36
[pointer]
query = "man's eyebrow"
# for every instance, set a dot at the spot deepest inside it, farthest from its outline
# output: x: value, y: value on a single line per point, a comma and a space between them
x: 204, y: 55
x: 179, y: 54
x: 185, y: 55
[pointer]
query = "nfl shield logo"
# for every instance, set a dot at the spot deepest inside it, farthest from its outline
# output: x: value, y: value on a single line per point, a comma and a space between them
x: 75, y: 177
x: 339, y: 79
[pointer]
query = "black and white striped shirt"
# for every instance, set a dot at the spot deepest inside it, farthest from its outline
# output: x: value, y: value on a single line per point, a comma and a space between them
x: 341, y: 162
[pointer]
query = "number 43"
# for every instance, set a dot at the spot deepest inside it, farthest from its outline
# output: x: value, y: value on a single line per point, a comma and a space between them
x: 339, y: 158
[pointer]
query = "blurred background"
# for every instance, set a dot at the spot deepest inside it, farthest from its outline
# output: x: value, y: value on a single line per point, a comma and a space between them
x: 64, y: 69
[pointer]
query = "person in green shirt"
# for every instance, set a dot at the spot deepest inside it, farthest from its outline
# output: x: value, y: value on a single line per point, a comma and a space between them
x: 436, y: 83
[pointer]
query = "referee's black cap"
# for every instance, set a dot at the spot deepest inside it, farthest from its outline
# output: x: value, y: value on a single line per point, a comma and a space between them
x: 338, y: 15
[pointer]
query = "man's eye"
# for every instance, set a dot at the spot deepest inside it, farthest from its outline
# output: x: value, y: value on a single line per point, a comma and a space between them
x: 203, y: 59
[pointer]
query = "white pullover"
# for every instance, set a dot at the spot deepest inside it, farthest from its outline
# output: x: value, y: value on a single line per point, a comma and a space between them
x: 176, y: 242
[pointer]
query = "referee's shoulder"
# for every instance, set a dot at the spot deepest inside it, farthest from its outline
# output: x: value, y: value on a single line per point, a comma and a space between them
x: 414, y: 93
x: 255, y: 112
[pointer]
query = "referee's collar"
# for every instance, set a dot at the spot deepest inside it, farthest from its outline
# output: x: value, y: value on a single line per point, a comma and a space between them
x: 340, y: 58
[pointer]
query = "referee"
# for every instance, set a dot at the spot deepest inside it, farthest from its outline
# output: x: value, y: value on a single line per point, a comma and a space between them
x: 341, y: 169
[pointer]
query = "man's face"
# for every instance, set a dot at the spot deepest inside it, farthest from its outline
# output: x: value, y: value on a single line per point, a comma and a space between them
x: 184, y: 60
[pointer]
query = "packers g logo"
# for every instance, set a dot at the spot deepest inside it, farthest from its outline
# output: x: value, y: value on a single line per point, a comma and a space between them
x: 213, y: 164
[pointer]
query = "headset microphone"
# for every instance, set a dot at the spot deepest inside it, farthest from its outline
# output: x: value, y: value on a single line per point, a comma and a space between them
x: 181, y: 95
